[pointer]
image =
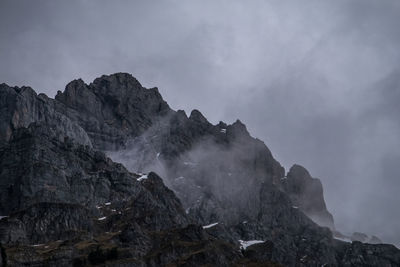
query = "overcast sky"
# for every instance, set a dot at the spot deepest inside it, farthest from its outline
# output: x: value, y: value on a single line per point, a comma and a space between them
x: 318, y: 81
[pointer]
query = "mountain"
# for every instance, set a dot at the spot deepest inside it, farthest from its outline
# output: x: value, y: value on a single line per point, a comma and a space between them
x: 108, y: 173
x: 306, y: 193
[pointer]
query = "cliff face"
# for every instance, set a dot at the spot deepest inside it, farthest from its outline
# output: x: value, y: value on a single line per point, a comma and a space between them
x: 112, y: 109
x: 22, y: 106
x: 66, y: 204
x: 56, y: 184
x: 306, y: 193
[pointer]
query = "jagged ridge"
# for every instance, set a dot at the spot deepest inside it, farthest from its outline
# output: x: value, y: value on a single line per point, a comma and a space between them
x: 220, y: 173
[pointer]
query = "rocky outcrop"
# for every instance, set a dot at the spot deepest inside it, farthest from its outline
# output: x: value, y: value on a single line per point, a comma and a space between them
x: 68, y: 204
x: 37, y: 167
x: 306, y: 193
x: 112, y: 109
x: 44, y: 222
x: 94, y: 211
x: 22, y: 106
x: 360, y: 254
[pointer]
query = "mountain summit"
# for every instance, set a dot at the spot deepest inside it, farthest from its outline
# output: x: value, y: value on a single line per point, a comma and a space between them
x: 107, y: 173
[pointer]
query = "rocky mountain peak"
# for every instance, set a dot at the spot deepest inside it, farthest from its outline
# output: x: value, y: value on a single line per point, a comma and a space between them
x: 222, y: 125
x: 197, y: 117
x: 112, y: 109
x: 306, y: 193
x: 239, y: 129
x: 298, y: 172
x: 119, y: 86
x: 21, y: 106
x: 119, y: 80
x: 181, y: 114
x: 66, y: 201
x: 78, y: 95
x: 77, y: 83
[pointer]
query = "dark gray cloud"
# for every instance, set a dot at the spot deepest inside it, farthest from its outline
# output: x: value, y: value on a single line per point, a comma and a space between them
x: 318, y: 81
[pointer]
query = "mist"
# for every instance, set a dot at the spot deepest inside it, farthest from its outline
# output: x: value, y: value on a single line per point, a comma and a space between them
x: 317, y: 81
x: 216, y: 171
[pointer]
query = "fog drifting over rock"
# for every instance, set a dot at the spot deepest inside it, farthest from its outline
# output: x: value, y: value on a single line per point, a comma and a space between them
x: 319, y: 82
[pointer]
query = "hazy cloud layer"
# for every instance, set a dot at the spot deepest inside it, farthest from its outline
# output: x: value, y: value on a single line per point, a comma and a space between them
x: 318, y: 81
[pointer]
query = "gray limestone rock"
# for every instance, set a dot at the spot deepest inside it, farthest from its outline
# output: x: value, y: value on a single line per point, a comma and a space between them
x: 306, y: 193
x: 22, y: 106
x: 112, y: 109
x: 57, y: 183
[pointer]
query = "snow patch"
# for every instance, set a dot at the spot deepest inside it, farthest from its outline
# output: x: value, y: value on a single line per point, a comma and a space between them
x: 210, y: 225
x: 143, y: 177
x: 295, y: 207
x: 158, y: 154
x: 101, y: 219
x: 246, y: 244
x: 223, y: 130
x: 2, y: 217
x: 107, y: 203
